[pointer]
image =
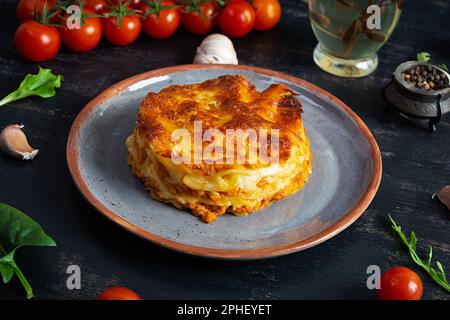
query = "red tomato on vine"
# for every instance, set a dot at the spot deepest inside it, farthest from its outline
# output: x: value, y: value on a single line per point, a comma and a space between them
x: 200, y: 17
x: 122, y: 25
x: 36, y: 41
x: 162, y: 18
x: 237, y: 19
x: 87, y: 37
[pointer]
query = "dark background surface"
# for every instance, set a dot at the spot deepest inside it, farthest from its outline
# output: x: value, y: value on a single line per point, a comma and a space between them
x: 415, y: 165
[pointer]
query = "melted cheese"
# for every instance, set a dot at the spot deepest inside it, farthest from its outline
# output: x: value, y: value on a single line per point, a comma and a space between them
x: 244, y: 182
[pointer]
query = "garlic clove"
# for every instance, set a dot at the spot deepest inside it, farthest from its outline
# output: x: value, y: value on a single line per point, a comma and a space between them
x: 14, y: 142
x: 216, y: 49
x: 443, y: 195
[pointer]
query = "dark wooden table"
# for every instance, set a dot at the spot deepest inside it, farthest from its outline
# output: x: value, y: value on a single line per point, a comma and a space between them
x: 416, y: 164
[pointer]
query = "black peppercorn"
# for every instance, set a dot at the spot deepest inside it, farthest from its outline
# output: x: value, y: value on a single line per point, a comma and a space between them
x: 425, y: 77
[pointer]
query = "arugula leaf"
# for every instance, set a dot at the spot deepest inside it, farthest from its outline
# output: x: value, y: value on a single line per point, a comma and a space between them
x: 17, y: 230
x: 42, y: 84
x: 443, y: 66
x: 438, y: 276
x: 423, y: 57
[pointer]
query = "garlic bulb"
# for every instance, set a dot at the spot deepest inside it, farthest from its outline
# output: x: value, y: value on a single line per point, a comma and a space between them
x: 14, y: 143
x: 216, y: 49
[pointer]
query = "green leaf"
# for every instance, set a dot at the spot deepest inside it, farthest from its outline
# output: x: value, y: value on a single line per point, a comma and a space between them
x: 443, y: 66
x: 7, y: 271
x: 441, y: 270
x: 17, y: 230
x: 430, y: 256
x: 423, y: 57
x: 413, y: 240
x: 42, y: 84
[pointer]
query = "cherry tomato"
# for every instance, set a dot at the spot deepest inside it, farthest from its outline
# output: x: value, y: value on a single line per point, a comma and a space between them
x: 133, y: 3
x: 268, y: 13
x: 119, y: 293
x: 203, y: 23
x: 37, y: 42
x: 400, y: 283
x: 237, y: 19
x: 84, y: 39
x: 163, y: 25
x: 25, y: 8
x: 98, y: 6
x: 124, y: 34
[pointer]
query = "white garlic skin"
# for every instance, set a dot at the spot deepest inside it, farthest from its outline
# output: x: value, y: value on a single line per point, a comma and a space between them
x: 13, y: 142
x: 216, y: 49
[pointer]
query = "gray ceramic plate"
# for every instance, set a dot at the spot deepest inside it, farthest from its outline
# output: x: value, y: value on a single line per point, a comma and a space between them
x: 346, y: 172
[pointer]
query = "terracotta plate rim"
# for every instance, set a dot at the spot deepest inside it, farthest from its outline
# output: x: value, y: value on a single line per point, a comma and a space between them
x: 234, y: 254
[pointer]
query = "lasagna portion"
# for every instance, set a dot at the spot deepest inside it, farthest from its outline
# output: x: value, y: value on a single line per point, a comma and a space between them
x: 194, y: 146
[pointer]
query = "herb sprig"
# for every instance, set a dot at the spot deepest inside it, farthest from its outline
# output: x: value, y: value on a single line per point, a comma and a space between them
x: 425, y: 57
x: 438, y: 276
